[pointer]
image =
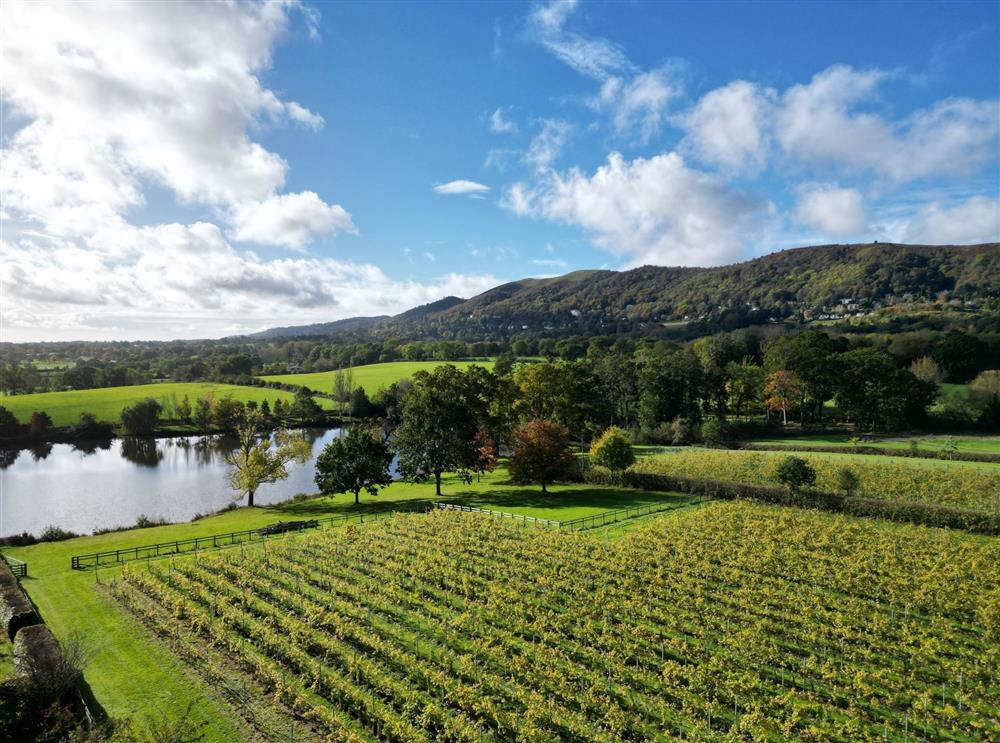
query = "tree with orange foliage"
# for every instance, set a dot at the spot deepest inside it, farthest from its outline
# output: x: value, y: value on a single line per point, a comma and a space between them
x: 782, y: 391
x: 541, y: 453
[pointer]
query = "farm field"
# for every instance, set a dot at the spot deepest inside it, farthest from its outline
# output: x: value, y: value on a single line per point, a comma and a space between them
x: 978, y: 444
x: 107, y: 402
x: 129, y: 664
x: 717, y: 623
x: 370, y: 376
x: 970, y: 485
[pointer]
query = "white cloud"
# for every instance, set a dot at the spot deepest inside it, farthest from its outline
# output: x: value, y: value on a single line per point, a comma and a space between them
x: 635, y: 100
x: 500, y: 158
x: 818, y: 123
x: 176, y: 280
x: 976, y: 220
x: 501, y: 125
x: 548, y: 144
x: 823, y: 124
x: 638, y: 105
x: 729, y: 126
x: 290, y: 220
x: 593, y: 57
x: 121, y: 95
x: 460, y: 187
x: 655, y: 210
x: 834, y: 211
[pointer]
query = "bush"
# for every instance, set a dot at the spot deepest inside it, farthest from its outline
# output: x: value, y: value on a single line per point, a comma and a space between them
x: 714, y: 432
x: 141, y: 418
x: 796, y: 473
x: 847, y: 481
x: 612, y: 450
x: 56, y: 534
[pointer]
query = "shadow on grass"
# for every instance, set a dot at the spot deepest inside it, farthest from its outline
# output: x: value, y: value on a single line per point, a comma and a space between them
x: 503, y: 496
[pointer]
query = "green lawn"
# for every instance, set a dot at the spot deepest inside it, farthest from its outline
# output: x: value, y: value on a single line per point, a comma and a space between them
x: 370, y: 376
x: 978, y: 444
x: 134, y: 674
x: 107, y: 402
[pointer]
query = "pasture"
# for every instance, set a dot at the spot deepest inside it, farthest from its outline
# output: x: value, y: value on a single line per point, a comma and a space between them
x: 711, y: 623
x: 107, y: 402
x: 370, y: 376
x: 976, y: 444
x: 970, y: 485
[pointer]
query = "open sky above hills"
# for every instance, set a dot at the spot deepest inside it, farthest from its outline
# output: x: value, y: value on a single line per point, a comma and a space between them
x: 192, y: 170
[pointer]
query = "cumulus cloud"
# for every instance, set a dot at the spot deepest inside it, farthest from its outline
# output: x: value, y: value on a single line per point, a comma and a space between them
x: 548, y: 144
x: 499, y: 124
x: 823, y: 124
x: 832, y: 210
x: 655, y: 210
x: 729, y: 126
x: 290, y: 220
x: 122, y: 94
x: 460, y: 187
x: 177, y: 280
x: 976, y: 220
x: 638, y: 105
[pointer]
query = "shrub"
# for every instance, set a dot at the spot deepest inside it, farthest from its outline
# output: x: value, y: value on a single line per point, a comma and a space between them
x: 714, y: 432
x: 847, y: 481
x: 612, y: 450
x: 141, y: 418
x: 795, y: 473
x: 56, y: 534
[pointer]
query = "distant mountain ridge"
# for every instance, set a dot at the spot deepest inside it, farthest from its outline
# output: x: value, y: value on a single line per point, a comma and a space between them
x: 808, y: 283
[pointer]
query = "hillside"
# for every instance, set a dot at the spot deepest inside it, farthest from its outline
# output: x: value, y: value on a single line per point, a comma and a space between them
x: 820, y: 282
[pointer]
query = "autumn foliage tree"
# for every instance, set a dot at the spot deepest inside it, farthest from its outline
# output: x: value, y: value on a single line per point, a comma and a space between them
x: 612, y: 450
x: 262, y: 457
x: 486, y: 452
x: 782, y: 391
x: 541, y: 453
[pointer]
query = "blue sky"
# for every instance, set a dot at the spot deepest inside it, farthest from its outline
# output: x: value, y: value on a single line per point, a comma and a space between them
x: 189, y: 170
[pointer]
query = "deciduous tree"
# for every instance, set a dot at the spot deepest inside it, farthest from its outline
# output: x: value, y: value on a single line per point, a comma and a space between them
x: 541, y: 453
x: 262, y: 457
x: 357, y: 461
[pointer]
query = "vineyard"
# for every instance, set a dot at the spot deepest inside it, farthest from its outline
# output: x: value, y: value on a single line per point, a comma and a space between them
x: 732, y: 621
x: 947, y: 484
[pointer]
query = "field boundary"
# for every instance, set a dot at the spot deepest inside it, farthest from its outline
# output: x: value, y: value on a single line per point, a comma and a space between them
x: 499, y: 514
x: 883, y: 451
x: 109, y: 558
x: 585, y: 523
x: 18, y: 567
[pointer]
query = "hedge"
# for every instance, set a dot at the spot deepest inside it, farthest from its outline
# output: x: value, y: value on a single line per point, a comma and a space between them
x: 958, y: 456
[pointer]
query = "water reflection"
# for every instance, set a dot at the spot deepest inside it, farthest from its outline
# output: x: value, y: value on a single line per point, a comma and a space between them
x: 142, y: 450
x: 107, y: 483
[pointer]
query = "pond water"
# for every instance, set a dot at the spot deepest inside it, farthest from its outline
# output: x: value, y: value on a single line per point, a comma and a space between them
x: 88, y: 485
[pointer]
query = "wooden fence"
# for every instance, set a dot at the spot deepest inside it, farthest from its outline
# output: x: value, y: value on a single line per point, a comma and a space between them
x: 215, y: 541
x: 18, y: 567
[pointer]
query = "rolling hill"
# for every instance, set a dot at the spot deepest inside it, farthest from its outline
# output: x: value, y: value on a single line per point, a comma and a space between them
x: 801, y: 283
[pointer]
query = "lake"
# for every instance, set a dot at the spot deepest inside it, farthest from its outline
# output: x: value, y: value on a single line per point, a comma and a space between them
x: 89, y: 485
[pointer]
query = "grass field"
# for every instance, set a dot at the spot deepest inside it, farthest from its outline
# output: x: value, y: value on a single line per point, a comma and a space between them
x: 107, y: 402
x: 715, y: 623
x: 370, y: 376
x: 978, y: 444
x: 969, y: 485
x: 134, y: 675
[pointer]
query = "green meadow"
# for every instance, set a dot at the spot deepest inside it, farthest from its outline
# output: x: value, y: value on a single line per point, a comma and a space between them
x: 107, y: 402
x: 370, y: 376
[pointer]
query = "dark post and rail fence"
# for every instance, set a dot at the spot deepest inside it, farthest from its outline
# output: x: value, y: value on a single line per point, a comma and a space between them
x: 18, y: 567
x: 109, y: 558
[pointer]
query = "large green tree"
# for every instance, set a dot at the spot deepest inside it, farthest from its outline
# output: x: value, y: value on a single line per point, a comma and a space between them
x: 441, y: 417
x: 874, y: 392
x: 357, y: 461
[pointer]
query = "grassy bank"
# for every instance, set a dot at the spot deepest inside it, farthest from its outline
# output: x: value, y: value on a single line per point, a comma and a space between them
x: 370, y: 376
x: 133, y: 674
x: 107, y: 402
